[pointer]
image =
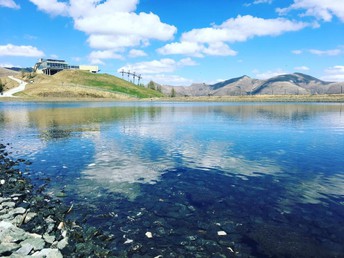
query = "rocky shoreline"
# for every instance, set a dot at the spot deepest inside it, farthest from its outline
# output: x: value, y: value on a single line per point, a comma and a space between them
x: 33, y: 224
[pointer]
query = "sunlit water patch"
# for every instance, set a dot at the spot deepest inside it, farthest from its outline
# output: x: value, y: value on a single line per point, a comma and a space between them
x: 201, y: 178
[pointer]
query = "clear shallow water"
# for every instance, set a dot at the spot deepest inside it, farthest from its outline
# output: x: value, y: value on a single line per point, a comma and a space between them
x: 270, y: 175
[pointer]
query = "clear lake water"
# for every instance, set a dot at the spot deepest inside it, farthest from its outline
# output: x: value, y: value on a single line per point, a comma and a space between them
x: 191, y: 179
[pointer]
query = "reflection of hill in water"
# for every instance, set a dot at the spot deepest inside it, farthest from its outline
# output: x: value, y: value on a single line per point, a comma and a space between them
x: 57, y: 123
x: 62, y: 122
x: 278, y: 111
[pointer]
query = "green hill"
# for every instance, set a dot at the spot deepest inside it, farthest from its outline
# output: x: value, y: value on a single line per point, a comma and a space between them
x: 106, y: 82
x: 82, y: 84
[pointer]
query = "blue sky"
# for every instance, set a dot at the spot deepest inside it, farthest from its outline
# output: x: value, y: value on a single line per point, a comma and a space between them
x: 179, y: 42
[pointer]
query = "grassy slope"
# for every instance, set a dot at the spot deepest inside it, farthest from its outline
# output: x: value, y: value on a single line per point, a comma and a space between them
x: 106, y: 82
x: 82, y: 84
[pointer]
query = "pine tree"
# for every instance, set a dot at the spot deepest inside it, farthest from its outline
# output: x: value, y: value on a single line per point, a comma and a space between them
x: 173, y: 93
x: 1, y: 86
x: 151, y: 85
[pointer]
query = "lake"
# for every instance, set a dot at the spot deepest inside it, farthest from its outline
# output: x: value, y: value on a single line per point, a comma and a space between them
x: 191, y: 179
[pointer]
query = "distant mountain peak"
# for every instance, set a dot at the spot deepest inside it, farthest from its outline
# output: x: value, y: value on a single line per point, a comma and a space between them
x: 224, y: 83
x: 296, y: 78
x: 308, y: 77
x: 295, y: 83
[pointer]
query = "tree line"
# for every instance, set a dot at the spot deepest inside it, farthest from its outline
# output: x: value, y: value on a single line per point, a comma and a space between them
x: 153, y: 86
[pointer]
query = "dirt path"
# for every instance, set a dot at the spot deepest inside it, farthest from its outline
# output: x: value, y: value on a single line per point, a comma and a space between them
x: 15, y: 90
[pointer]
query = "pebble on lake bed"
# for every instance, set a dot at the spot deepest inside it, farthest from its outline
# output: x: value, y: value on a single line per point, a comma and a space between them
x: 60, y: 226
x: 221, y: 233
x: 128, y: 241
x: 149, y: 235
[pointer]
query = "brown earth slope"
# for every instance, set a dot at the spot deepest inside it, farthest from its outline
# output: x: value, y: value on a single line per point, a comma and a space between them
x: 6, y: 72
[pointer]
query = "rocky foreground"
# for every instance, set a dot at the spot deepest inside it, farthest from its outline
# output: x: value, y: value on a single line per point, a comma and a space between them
x: 33, y: 224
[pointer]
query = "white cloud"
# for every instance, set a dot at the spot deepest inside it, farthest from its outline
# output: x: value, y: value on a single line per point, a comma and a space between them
x: 142, y: 25
x: 9, y: 4
x: 302, y: 68
x: 297, y: 52
x: 25, y: 51
x: 136, y: 53
x: 183, y: 48
x: 7, y: 65
x: 54, y: 56
x: 262, y: 2
x: 330, y: 52
x: 151, y: 67
x: 187, y: 62
x: 169, y: 79
x: 213, y: 40
x: 113, y: 42
x: 52, y: 7
x: 268, y: 74
x: 243, y: 28
x: 159, y: 70
x: 197, y: 49
x: 111, y: 24
x: 219, y: 49
x: 259, y: 2
x: 96, y: 57
x: 335, y: 73
x: 76, y: 59
x: 321, y: 9
x: 30, y: 37
x: 165, y: 65
x: 89, y: 8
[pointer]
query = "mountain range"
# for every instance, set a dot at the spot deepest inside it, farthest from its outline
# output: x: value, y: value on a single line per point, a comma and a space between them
x: 286, y: 84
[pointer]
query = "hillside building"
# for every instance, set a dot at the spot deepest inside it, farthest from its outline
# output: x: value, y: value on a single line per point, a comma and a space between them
x: 53, y: 66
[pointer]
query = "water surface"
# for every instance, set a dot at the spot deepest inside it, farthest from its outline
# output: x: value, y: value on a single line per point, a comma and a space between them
x: 271, y: 176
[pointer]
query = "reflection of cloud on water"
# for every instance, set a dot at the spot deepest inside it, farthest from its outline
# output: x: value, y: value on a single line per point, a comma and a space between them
x: 206, y: 153
x: 218, y: 155
x: 119, y: 168
x: 142, y: 152
x: 316, y: 189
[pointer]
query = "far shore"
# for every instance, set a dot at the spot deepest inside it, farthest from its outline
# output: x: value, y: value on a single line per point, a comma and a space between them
x: 335, y: 98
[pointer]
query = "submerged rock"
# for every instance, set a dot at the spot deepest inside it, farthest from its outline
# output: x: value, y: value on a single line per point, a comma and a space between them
x: 47, y: 252
x: 33, y: 224
x: 221, y: 233
x: 149, y: 235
